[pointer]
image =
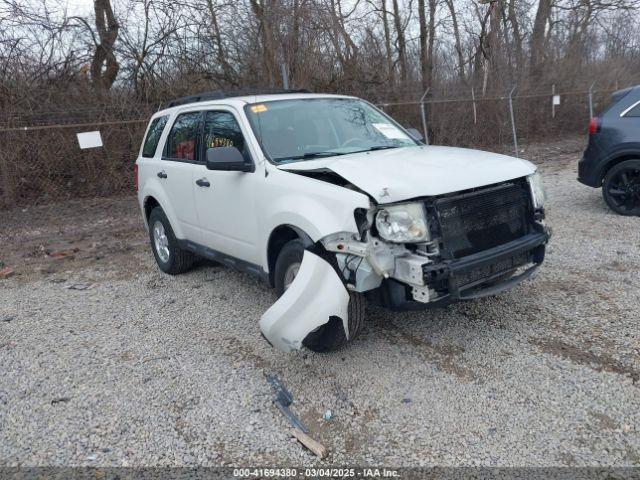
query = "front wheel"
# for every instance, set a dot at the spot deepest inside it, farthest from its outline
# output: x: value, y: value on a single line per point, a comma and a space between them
x: 621, y: 188
x: 330, y: 336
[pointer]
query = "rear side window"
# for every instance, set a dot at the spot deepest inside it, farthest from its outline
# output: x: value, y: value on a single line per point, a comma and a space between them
x: 153, y: 136
x: 182, y: 142
x: 634, y: 112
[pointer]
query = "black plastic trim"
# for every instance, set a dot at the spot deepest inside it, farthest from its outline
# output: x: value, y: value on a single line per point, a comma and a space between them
x: 227, y: 260
x: 500, y: 287
x: 526, y: 243
x: 220, y: 94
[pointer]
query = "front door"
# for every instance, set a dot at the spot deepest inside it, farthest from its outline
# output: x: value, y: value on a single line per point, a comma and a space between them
x: 225, y: 201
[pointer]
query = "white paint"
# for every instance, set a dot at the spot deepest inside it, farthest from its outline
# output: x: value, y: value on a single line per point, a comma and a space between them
x: 556, y: 99
x: 89, y: 140
x: 316, y: 294
x: 412, y: 172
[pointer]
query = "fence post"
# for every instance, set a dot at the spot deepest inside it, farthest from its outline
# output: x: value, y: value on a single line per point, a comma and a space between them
x: 285, y: 77
x: 423, y: 112
x: 475, y: 111
x: 513, y: 122
x: 591, y: 100
x: 553, y: 101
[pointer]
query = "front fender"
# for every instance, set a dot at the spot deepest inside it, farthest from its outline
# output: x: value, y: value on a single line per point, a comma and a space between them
x: 314, y: 217
x: 315, y: 207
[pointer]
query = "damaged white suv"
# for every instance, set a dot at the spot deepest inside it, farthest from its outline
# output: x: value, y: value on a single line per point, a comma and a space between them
x: 330, y: 201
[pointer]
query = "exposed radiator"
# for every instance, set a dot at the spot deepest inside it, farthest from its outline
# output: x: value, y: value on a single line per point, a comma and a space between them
x: 483, y: 219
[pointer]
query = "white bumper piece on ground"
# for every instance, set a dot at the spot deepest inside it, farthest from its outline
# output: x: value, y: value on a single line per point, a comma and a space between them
x: 316, y: 294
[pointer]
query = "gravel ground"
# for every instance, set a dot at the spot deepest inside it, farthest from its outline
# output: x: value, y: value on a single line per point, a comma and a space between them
x: 139, y: 368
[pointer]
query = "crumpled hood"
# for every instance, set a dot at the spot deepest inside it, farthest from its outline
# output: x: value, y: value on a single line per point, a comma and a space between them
x: 403, y: 173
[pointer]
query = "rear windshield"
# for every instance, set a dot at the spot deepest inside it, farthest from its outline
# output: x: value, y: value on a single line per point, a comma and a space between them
x: 153, y: 136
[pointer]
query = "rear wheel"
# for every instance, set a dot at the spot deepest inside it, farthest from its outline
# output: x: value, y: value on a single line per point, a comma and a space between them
x: 621, y: 188
x: 330, y: 336
x: 169, y: 256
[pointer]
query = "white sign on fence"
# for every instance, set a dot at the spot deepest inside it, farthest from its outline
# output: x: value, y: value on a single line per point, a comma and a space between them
x: 89, y: 139
x: 556, y: 99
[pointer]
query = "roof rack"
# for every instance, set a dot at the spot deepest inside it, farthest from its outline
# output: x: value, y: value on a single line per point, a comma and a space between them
x: 219, y: 94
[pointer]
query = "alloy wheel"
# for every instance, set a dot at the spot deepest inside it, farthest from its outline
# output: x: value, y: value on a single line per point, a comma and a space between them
x: 624, y: 189
x: 161, y: 242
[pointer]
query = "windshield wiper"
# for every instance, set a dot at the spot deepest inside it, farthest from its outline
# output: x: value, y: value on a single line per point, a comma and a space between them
x: 308, y: 155
x: 380, y: 147
x: 376, y: 147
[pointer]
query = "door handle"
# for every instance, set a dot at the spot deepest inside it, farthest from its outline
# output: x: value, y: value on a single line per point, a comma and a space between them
x: 203, y: 182
x: 162, y: 174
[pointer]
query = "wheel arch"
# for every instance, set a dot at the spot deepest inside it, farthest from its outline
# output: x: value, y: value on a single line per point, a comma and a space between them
x: 277, y: 239
x: 615, y: 160
x: 149, y: 204
x: 154, y: 197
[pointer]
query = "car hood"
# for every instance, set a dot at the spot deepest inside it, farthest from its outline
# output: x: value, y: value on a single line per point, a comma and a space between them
x: 403, y: 173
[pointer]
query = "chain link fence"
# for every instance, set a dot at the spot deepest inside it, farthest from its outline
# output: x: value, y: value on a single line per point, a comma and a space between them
x: 40, y: 159
x: 506, y: 118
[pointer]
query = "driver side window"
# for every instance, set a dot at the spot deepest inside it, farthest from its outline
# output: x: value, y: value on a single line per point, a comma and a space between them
x: 222, y: 130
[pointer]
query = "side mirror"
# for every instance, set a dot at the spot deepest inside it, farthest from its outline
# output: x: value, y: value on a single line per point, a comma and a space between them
x: 228, y: 159
x: 415, y: 134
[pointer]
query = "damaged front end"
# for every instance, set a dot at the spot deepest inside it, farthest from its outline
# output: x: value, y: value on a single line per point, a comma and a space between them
x: 414, y: 255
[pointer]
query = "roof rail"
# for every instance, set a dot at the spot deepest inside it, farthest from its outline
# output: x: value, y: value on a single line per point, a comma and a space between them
x: 219, y: 94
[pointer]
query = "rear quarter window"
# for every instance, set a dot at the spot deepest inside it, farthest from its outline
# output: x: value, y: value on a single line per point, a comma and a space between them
x: 634, y: 112
x: 153, y: 136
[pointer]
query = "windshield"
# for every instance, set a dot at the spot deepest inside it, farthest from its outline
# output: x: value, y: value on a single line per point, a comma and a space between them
x: 304, y: 129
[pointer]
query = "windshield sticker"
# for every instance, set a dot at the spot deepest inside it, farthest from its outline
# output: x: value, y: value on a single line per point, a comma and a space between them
x: 259, y: 108
x: 390, y: 131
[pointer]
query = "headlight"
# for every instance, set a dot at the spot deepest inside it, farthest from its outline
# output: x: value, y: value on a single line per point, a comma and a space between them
x: 537, y: 190
x: 403, y: 223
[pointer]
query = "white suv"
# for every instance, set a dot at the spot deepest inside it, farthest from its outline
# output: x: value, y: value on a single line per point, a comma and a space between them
x: 330, y: 201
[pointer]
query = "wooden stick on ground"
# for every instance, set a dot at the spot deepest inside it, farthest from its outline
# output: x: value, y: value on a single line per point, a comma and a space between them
x: 309, y: 442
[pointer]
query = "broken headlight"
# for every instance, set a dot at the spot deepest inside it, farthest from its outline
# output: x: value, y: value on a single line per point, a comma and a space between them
x: 403, y: 223
x: 537, y: 190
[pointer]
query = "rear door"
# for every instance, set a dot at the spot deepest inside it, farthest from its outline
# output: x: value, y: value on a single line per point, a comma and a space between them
x: 180, y: 157
x: 226, y: 200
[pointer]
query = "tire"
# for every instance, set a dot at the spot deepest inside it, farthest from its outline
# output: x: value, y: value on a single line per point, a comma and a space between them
x: 621, y: 188
x: 331, y: 335
x: 174, y: 260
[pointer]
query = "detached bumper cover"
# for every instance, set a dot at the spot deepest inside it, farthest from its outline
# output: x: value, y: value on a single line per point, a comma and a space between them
x: 316, y: 294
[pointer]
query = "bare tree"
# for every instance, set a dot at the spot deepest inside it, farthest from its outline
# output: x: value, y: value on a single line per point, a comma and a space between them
x: 540, y: 25
x: 457, y: 40
x: 401, y: 42
x: 264, y: 13
x: 104, y: 66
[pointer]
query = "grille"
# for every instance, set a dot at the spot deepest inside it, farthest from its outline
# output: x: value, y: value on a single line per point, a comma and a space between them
x: 477, y: 221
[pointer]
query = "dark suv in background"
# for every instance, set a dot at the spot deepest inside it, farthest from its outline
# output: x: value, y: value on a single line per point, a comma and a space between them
x: 612, y: 158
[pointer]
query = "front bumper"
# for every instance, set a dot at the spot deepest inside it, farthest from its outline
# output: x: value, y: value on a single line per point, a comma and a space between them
x: 474, y: 276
